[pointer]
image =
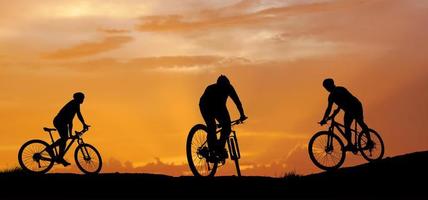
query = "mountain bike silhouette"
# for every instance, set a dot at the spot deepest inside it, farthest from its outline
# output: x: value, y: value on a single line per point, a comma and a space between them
x: 327, y: 150
x: 37, y: 156
x: 197, y: 150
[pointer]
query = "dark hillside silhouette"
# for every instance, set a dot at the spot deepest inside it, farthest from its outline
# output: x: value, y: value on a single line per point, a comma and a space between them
x: 397, y: 177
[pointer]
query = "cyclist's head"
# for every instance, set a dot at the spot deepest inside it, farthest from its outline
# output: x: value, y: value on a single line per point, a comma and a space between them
x: 328, y: 84
x: 223, y: 81
x: 78, y: 96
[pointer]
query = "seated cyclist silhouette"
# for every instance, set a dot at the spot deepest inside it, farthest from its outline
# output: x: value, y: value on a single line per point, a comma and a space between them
x: 349, y: 104
x: 213, y: 107
x: 63, y: 122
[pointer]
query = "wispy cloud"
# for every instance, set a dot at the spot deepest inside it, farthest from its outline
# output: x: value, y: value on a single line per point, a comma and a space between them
x: 244, y: 13
x: 169, y: 64
x: 113, y: 30
x: 89, y: 48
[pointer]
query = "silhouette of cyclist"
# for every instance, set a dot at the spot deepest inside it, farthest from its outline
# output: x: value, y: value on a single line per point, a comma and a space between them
x: 213, y: 107
x: 349, y: 104
x: 63, y: 122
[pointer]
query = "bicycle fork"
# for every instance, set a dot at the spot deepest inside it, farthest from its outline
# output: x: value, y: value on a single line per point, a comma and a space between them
x: 85, y: 152
x: 234, y: 152
x: 232, y: 143
x: 329, y: 146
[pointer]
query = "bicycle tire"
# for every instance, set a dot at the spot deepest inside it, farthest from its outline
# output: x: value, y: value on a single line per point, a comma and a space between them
x: 84, y: 164
x: 339, y: 151
x: 367, y: 152
x: 27, y: 154
x: 202, y: 168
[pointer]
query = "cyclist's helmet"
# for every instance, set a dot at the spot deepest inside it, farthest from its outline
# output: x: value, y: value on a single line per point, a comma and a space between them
x: 79, y: 96
x: 223, y: 80
x: 328, y: 84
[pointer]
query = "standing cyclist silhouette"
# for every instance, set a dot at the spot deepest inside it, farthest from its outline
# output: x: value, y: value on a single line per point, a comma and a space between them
x: 63, y: 122
x: 213, y: 107
x: 349, y: 104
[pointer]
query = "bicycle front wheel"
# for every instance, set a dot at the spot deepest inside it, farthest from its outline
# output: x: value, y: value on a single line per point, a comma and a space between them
x: 35, y: 157
x: 326, y: 150
x: 372, y: 147
x: 88, y: 159
x: 197, y: 151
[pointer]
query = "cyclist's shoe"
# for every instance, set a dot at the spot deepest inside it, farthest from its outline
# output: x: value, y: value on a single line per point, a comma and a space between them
x: 63, y: 162
x: 221, y: 162
x: 208, y: 155
x: 204, y: 152
x: 222, y: 154
x: 351, y: 148
x: 212, y: 158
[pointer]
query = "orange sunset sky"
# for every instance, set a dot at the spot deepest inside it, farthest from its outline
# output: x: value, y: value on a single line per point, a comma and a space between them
x: 144, y: 64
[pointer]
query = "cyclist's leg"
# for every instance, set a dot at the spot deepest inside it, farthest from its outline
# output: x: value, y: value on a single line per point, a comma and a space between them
x: 209, y: 119
x: 224, y: 119
x: 62, y: 129
x: 359, y: 117
x: 347, y: 121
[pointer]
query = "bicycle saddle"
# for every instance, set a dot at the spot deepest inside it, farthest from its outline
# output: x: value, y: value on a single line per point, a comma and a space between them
x: 49, y: 129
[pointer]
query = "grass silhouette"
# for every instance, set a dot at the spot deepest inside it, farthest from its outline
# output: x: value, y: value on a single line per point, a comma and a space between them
x: 13, y: 170
x: 292, y: 176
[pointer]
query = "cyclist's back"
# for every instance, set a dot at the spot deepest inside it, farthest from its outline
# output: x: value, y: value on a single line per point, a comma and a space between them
x: 67, y: 113
x: 345, y: 100
x: 215, y: 96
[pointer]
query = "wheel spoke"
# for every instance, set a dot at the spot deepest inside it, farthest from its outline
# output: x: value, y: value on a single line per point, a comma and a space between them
x: 323, y: 155
x: 372, y: 151
x: 199, y: 165
x: 31, y: 149
x: 87, y: 159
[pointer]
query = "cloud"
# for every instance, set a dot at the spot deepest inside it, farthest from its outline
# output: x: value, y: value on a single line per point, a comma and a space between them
x: 186, y: 64
x: 163, y: 64
x: 244, y: 13
x: 113, y: 30
x: 89, y: 48
x: 256, y: 29
x: 298, y: 160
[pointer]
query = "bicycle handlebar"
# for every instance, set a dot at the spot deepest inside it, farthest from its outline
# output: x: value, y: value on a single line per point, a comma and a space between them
x: 333, y: 122
x: 234, y: 122
x: 82, y: 131
x: 330, y: 118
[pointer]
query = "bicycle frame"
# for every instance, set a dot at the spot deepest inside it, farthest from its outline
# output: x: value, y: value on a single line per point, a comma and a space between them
x: 341, y: 128
x: 77, y: 137
x: 232, y: 141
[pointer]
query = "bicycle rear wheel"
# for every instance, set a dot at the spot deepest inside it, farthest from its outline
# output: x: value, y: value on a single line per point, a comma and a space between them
x: 88, y: 159
x: 35, y: 157
x: 371, y: 151
x: 326, y: 150
x: 197, y: 149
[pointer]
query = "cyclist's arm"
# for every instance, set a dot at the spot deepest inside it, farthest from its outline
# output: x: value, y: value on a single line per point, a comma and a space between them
x: 70, y: 129
x: 328, y: 110
x: 237, y: 101
x: 335, y: 112
x: 79, y: 115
